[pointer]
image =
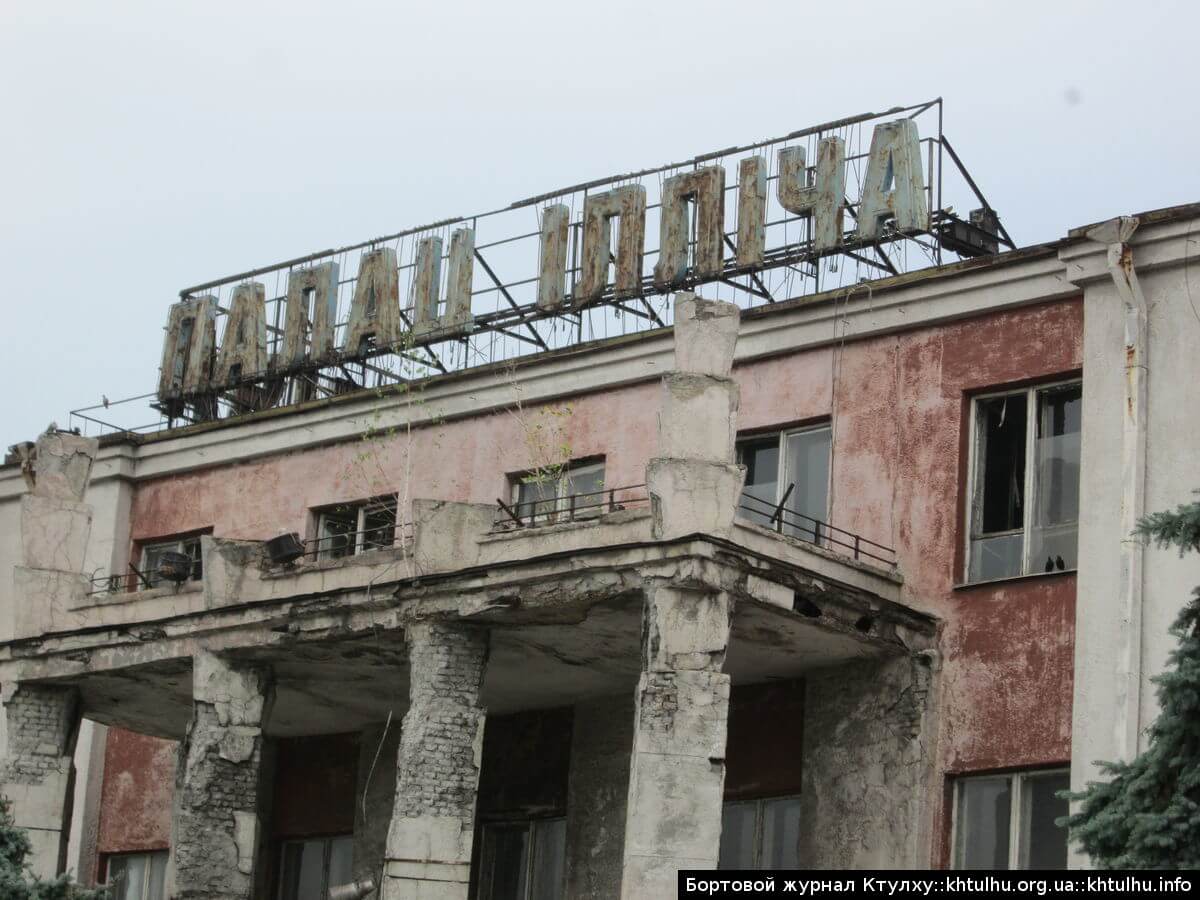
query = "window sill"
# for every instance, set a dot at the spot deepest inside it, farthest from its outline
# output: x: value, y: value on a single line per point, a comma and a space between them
x: 1009, y: 579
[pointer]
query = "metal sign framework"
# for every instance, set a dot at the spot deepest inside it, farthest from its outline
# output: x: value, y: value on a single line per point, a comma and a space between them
x: 506, y: 319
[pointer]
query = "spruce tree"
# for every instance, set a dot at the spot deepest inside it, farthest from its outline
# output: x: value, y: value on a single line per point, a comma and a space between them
x: 1147, y: 816
x: 16, y: 882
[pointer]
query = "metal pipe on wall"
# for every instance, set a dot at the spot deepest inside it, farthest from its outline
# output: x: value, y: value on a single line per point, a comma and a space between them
x: 1116, y: 233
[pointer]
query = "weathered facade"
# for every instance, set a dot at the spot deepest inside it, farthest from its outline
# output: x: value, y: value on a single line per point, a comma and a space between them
x: 476, y: 698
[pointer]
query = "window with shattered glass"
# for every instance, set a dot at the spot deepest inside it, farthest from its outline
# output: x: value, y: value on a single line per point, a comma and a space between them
x: 1024, y: 511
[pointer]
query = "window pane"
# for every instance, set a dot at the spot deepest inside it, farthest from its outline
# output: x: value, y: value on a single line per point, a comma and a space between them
x: 761, y: 459
x: 807, y: 467
x: 737, y: 836
x: 192, y: 548
x: 1043, y: 844
x: 781, y: 834
x: 984, y: 807
x: 996, y: 557
x: 1056, y: 479
x: 537, y: 498
x: 341, y: 861
x: 379, y: 525
x: 503, y: 861
x: 549, y: 859
x: 999, y: 487
x: 151, y: 557
x: 303, y: 870
x: 586, y: 480
x: 126, y: 875
x: 337, y: 533
x: 158, y: 877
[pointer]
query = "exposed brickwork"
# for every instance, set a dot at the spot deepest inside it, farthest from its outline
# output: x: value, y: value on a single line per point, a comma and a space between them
x: 670, y: 701
x: 214, y: 838
x: 439, y: 742
x: 38, y: 772
x: 41, y: 733
x: 441, y: 746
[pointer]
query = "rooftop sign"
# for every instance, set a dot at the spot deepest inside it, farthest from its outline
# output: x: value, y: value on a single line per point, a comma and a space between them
x: 771, y: 220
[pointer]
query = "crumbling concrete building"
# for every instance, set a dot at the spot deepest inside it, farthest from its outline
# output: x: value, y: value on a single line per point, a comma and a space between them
x: 827, y: 583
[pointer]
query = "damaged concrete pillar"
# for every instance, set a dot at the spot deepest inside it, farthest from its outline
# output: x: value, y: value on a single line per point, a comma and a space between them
x: 693, y: 482
x: 55, y: 527
x: 218, y: 785
x: 677, y: 768
x: 429, y: 843
x: 37, y: 773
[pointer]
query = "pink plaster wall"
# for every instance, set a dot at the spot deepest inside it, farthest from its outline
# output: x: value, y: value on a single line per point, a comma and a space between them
x: 899, y: 464
x: 464, y: 460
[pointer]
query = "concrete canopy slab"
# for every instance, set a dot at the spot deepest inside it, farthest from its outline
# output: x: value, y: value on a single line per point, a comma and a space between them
x: 566, y: 626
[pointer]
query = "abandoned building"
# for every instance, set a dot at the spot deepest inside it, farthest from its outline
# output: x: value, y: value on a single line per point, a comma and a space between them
x: 837, y: 580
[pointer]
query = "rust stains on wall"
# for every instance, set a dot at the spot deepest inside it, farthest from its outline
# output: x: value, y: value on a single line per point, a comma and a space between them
x: 135, y: 800
x: 315, y: 780
x: 763, y: 754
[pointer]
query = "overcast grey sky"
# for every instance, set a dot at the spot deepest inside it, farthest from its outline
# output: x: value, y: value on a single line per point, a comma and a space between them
x: 152, y: 145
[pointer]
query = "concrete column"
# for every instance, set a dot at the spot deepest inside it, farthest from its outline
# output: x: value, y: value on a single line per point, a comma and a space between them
x: 429, y: 843
x: 218, y: 785
x: 597, y: 793
x: 693, y: 482
x: 37, y: 774
x: 677, y: 768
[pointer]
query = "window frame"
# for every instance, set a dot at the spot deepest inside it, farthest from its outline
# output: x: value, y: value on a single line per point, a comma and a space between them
x: 532, y: 828
x: 177, y: 544
x: 361, y: 509
x: 1015, y: 810
x: 561, y: 489
x: 148, y: 874
x: 974, y: 491
x: 327, y: 841
x: 760, y: 815
x: 781, y: 435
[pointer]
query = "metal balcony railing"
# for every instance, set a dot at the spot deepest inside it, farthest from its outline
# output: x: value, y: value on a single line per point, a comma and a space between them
x: 780, y: 518
x: 133, y: 580
x: 569, y: 508
x: 351, y: 543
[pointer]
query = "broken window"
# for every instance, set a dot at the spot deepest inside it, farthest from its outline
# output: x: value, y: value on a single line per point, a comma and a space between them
x: 523, y: 860
x: 137, y: 876
x: 1024, y: 514
x: 791, y: 468
x: 560, y: 493
x: 152, y: 556
x: 351, y: 528
x: 1008, y: 821
x: 761, y: 834
x: 310, y: 869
